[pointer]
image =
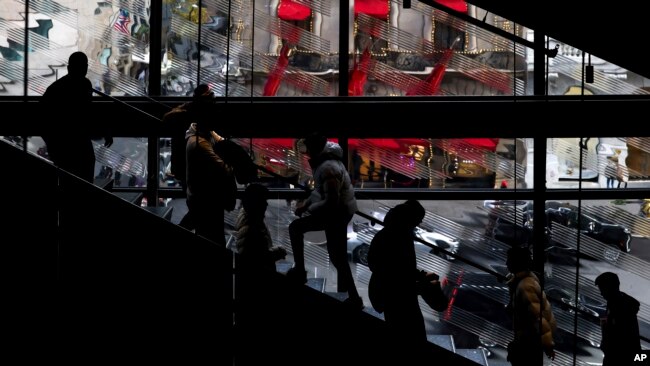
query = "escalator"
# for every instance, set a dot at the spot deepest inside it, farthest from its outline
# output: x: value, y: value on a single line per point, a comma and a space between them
x: 93, y: 274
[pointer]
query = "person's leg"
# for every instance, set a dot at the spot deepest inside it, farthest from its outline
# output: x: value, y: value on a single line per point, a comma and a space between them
x: 186, y: 222
x: 336, y: 234
x: 208, y: 221
x: 297, y: 230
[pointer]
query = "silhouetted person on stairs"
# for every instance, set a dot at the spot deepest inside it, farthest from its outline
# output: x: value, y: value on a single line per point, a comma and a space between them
x: 70, y: 144
x: 620, y: 328
x: 331, y: 206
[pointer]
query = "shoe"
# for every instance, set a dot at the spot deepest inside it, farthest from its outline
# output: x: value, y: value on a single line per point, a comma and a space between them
x: 354, y: 303
x: 297, y: 275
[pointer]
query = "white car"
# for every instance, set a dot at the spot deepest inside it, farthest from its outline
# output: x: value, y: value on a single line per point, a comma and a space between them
x: 360, y: 235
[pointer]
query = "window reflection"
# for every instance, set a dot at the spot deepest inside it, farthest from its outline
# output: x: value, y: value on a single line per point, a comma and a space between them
x: 607, y: 162
x: 438, y: 163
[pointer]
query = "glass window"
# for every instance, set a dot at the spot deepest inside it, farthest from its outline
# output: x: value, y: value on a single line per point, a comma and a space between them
x: 115, y: 39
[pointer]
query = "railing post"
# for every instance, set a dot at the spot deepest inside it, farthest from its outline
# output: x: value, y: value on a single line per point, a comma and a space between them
x: 153, y: 167
x: 539, y: 65
x: 344, y: 40
x: 155, y: 43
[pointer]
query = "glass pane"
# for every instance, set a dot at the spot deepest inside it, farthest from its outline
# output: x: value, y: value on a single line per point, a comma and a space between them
x: 612, y: 237
x: 565, y: 75
x: 125, y: 161
x: 277, y: 158
x: 426, y: 51
x: 273, y: 48
x: 440, y: 163
x: 296, y: 48
x: 114, y: 37
x: 12, y: 49
x: 607, y: 162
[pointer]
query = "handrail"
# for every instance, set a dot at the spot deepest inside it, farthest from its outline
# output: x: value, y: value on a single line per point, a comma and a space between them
x: 499, y: 276
x: 479, y: 23
x: 132, y: 107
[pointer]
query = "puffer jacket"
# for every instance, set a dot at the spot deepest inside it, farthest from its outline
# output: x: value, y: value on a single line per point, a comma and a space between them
x: 527, y: 300
x: 329, y: 172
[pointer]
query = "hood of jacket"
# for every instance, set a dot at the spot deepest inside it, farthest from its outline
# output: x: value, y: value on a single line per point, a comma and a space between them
x: 193, y: 130
x: 331, y: 151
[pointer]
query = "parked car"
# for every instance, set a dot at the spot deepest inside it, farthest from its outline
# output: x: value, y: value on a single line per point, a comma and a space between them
x: 598, y: 228
x: 501, y: 227
x: 361, y: 234
x: 484, y: 296
x: 563, y: 296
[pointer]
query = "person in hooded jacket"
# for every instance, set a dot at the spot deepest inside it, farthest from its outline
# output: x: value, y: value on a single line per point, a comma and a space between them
x: 532, y: 316
x: 331, y: 206
x: 395, y: 281
x: 620, y: 329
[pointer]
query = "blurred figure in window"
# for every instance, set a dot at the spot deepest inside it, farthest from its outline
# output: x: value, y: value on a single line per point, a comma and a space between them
x: 533, y: 320
x: 70, y: 145
x: 622, y: 174
x: 620, y: 328
x: 611, y: 169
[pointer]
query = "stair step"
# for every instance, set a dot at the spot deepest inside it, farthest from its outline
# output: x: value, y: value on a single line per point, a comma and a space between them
x: 133, y: 197
x: 474, y: 354
x: 443, y: 340
x: 370, y: 310
x: 317, y: 284
x: 283, y: 266
x: 162, y: 211
x: 104, y: 183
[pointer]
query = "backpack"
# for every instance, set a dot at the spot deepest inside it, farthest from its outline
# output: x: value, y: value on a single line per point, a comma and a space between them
x: 238, y: 158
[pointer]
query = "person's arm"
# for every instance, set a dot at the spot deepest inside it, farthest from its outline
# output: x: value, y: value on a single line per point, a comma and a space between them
x: 302, y: 207
x: 206, y: 149
x: 330, y: 201
x: 216, y: 136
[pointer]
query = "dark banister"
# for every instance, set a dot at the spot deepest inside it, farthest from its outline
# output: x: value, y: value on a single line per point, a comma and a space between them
x: 155, y: 45
x: 480, y: 24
